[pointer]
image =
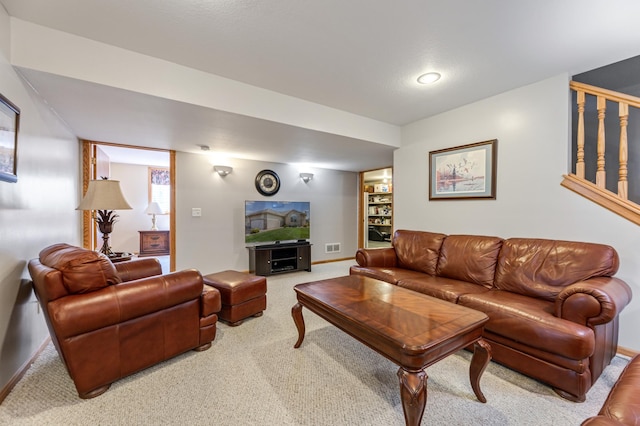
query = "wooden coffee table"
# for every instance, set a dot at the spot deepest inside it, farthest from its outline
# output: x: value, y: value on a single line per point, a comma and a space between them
x: 411, y: 329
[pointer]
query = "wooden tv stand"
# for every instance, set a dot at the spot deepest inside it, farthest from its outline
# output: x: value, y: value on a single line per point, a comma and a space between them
x: 270, y: 259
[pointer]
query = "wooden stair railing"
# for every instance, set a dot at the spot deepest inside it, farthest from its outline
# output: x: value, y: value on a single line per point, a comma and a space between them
x: 597, y: 192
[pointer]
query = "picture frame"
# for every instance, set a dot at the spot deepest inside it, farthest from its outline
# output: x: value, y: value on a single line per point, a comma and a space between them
x: 9, y: 126
x: 464, y: 172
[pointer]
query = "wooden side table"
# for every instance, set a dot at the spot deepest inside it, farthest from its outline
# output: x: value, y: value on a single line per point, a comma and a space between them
x: 154, y: 243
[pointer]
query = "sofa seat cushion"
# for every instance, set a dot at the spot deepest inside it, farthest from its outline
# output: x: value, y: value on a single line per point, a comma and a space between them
x: 531, y: 322
x: 391, y: 275
x: 440, y: 287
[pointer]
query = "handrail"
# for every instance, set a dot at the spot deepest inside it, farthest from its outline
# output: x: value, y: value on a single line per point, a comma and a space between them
x: 609, y: 94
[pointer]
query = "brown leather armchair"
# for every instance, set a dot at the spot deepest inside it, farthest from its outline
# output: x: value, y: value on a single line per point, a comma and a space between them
x: 108, y: 321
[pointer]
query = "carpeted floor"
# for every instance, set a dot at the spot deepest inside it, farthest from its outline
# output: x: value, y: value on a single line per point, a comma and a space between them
x: 253, y: 376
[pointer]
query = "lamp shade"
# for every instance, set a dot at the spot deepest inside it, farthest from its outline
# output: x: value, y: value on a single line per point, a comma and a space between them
x: 154, y: 208
x: 104, y: 194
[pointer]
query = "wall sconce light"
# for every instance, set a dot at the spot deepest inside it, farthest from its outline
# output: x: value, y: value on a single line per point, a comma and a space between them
x: 306, y: 177
x: 223, y: 170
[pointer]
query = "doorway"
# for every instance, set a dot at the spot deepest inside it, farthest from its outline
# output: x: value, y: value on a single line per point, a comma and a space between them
x: 132, y: 166
x: 376, y: 195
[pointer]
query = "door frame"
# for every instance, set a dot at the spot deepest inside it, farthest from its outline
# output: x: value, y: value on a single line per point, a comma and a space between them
x: 362, y: 227
x: 89, y: 234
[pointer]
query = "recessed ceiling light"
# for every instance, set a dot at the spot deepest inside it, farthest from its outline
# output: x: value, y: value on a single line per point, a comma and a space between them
x: 428, y: 78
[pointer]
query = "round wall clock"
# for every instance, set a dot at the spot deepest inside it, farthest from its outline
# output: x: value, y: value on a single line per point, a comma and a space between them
x: 267, y: 182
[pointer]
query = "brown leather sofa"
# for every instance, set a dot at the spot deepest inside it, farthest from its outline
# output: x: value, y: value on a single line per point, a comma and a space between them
x: 553, y: 306
x: 622, y: 406
x: 108, y: 321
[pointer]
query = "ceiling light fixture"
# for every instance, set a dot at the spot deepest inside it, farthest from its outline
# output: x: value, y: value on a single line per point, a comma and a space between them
x: 428, y: 78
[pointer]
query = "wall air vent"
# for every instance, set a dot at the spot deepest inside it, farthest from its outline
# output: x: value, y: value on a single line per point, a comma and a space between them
x: 332, y: 248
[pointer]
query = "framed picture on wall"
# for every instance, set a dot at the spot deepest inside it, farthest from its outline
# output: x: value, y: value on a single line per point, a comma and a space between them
x: 463, y: 172
x: 9, y: 124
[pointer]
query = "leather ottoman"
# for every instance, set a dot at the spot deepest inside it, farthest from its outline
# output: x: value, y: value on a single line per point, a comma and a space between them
x: 243, y: 295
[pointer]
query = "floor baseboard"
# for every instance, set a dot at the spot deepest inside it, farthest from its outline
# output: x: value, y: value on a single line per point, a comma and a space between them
x: 22, y: 370
x: 626, y: 352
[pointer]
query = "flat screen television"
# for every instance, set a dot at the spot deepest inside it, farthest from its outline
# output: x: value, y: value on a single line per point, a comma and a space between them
x: 276, y: 221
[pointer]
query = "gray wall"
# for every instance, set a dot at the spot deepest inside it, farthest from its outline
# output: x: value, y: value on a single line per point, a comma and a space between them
x: 35, y: 212
x: 532, y: 125
x: 215, y: 241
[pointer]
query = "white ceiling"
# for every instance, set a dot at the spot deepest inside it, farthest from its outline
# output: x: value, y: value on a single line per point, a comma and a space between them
x: 358, y: 56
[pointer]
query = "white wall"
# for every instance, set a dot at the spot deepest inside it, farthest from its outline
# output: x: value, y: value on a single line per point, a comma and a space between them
x: 532, y: 125
x: 35, y: 212
x: 48, y: 50
x: 215, y: 241
x: 134, y: 181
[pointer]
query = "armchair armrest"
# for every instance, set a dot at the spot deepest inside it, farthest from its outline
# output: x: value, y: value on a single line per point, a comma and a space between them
x: 594, y: 301
x: 81, y: 313
x: 210, y: 302
x: 138, y: 268
x: 384, y: 257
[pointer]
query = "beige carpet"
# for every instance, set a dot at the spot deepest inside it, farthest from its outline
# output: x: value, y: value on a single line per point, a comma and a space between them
x: 253, y: 376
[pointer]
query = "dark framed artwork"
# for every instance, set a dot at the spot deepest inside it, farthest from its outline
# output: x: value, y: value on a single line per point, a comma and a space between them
x: 9, y: 125
x: 464, y: 172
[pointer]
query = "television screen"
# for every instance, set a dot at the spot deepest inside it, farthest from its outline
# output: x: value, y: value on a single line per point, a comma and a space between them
x: 276, y: 221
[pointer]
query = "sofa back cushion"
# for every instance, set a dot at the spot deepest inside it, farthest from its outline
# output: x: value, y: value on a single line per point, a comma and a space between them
x: 82, y: 270
x: 470, y: 258
x: 417, y: 250
x: 542, y: 268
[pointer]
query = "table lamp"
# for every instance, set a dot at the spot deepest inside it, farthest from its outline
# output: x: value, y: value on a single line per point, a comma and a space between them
x: 104, y: 196
x: 153, y: 209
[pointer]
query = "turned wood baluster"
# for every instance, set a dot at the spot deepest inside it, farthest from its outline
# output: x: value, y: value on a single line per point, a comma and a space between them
x: 580, y: 136
x: 622, y: 181
x: 600, y: 171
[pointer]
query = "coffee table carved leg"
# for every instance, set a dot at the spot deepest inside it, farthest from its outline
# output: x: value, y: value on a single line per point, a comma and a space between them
x: 479, y: 361
x: 296, y: 313
x: 413, y: 392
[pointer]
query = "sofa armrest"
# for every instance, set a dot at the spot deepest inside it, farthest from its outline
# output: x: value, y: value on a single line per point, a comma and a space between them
x: 81, y: 313
x: 138, y: 268
x: 384, y: 257
x: 594, y: 301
